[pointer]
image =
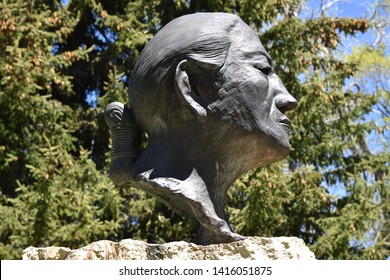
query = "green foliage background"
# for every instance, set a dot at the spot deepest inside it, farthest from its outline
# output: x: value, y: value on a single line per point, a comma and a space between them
x: 62, y: 63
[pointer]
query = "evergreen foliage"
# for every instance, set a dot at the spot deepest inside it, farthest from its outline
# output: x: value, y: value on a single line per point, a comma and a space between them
x: 62, y: 62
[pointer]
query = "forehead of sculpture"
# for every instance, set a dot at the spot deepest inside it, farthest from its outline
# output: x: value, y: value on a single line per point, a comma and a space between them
x: 245, y: 43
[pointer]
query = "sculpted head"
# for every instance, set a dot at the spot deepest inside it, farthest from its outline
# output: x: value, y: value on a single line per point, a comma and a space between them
x: 205, y: 92
x: 210, y: 71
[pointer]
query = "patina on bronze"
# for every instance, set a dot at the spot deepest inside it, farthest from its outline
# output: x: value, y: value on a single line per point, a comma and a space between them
x: 205, y: 92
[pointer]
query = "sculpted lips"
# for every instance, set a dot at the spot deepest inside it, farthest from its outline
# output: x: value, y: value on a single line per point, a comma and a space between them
x: 285, y: 122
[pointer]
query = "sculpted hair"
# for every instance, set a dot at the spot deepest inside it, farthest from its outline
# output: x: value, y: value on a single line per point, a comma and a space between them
x: 199, y: 38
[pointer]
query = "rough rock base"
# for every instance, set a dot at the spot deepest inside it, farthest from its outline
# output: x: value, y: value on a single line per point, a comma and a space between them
x: 252, y: 248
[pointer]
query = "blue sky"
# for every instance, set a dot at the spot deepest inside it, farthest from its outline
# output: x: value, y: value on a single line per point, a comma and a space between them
x: 353, y: 9
x: 356, y: 9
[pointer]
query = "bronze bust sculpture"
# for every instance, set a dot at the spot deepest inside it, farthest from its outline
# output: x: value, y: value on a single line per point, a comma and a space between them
x: 205, y: 92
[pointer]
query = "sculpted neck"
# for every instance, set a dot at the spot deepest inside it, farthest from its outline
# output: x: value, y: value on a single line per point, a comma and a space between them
x: 217, y: 160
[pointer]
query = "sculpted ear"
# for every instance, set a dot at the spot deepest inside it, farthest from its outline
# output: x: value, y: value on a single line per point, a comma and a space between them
x: 184, y: 90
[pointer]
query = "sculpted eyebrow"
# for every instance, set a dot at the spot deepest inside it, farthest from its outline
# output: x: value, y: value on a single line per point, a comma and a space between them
x: 269, y: 59
x: 259, y: 53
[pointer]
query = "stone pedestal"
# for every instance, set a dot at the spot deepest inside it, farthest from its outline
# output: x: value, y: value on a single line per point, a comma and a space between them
x: 252, y: 248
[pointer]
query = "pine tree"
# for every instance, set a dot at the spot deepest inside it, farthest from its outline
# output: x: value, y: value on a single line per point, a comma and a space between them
x: 61, y: 64
x: 51, y: 191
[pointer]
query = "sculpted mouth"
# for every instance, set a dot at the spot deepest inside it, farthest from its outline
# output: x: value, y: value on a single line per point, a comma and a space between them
x: 285, y: 122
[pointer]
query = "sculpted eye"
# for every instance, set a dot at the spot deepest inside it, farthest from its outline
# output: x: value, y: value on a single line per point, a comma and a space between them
x: 266, y: 69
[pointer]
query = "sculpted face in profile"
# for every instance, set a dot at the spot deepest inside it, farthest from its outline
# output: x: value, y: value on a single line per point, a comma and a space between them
x: 205, y: 92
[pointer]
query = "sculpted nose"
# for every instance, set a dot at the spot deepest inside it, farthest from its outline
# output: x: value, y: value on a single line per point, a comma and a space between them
x: 284, y: 101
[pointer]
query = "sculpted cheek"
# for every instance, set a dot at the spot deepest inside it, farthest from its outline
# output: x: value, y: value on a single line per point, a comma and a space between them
x: 240, y: 104
x: 243, y: 99
x: 256, y: 95
x: 227, y: 107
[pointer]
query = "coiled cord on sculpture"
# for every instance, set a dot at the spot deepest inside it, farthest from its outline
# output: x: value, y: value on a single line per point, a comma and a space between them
x: 126, y: 140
